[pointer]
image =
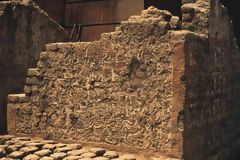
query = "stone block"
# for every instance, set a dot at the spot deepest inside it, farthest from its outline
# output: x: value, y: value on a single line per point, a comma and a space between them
x: 43, y: 55
x: 32, y: 72
x: 32, y: 80
x: 14, y: 98
x: 27, y: 90
x: 3, y: 6
x: 11, y: 118
x: 175, y: 22
x: 51, y: 47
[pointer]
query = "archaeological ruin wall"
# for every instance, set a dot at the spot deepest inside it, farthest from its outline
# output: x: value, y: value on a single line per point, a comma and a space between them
x: 116, y: 91
x: 212, y: 91
x: 144, y: 87
x: 24, y: 30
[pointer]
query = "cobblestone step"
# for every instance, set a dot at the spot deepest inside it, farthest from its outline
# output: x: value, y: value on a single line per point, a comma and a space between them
x: 26, y: 148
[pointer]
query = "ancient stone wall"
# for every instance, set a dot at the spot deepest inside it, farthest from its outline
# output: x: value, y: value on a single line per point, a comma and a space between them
x: 213, y: 92
x: 143, y: 86
x: 195, y: 15
x: 116, y: 91
x: 24, y: 30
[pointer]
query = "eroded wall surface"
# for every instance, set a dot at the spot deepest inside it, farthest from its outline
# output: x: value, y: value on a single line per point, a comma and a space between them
x: 24, y: 30
x: 115, y: 91
x: 213, y: 92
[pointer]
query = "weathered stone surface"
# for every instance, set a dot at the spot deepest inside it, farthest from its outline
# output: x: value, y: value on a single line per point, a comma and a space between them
x: 101, y: 158
x: 63, y: 149
x: 72, y: 158
x: 2, y: 152
x: 13, y: 148
x: 77, y: 152
x: 144, y: 86
x: 21, y: 139
x: 34, y: 144
x: 58, y: 156
x: 49, y: 146
x: 29, y: 150
x: 128, y: 157
x: 111, y: 154
x: 31, y: 157
x: 46, y: 158
x: 24, y: 31
x: 60, y: 145
x: 5, y: 138
x: 44, y: 152
x: 6, y: 159
x: 98, y: 151
x: 74, y: 146
x: 3, y: 146
x: 88, y: 155
x: 17, y: 155
x: 134, y: 88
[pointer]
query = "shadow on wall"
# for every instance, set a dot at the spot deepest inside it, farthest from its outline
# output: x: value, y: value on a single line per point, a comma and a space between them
x: 24, y: 31
x: 233, y: 10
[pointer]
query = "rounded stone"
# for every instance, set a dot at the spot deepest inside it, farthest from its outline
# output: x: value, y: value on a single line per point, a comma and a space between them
x: 58, y: 156
x: 77, y: 152
x: 72, y: 158
x: 3, y: 146
x: 75, y: 146
x: 44, y: 152
x: 11, y: 142
x: 38, y: 145
x: 101, y: 158
x: 21, y: 139
x: 46, y: 158
x: 48, y: 142
x: 29, y: 150
x: 31, y: 157
x: 60, y: 145
x: 16, y: 155
x: 6, y: 158
x: 88, y: 155
x: 128, y: 157
x: 98, y: 151
x: 5, y: 138
x: 63, y: 149
x: 49, y: 146
x: 13, y: 148
x: 111, y: 154
x: 23, y: 142
x: 2, y: 152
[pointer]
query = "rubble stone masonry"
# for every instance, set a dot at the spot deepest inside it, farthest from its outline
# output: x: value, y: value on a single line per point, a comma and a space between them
x: 24, y: 31
x: 144, y: 87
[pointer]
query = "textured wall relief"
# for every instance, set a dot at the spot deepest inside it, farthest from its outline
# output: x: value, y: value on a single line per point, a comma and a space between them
x: 117, y: 90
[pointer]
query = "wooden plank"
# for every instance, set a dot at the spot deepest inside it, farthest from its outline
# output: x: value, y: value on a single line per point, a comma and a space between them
x: 102, y: 11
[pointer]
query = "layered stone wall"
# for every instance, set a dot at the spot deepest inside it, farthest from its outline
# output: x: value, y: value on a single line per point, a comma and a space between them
x: 24, y: 30
x: 213, y: 92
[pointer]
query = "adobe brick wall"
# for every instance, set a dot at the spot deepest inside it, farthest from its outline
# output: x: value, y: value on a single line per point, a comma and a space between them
x: 24, y: 30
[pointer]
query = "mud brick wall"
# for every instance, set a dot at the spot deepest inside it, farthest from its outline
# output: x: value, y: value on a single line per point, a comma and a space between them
x: 213, y: 92
x: 24, y: 31
x: 116, y: 91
